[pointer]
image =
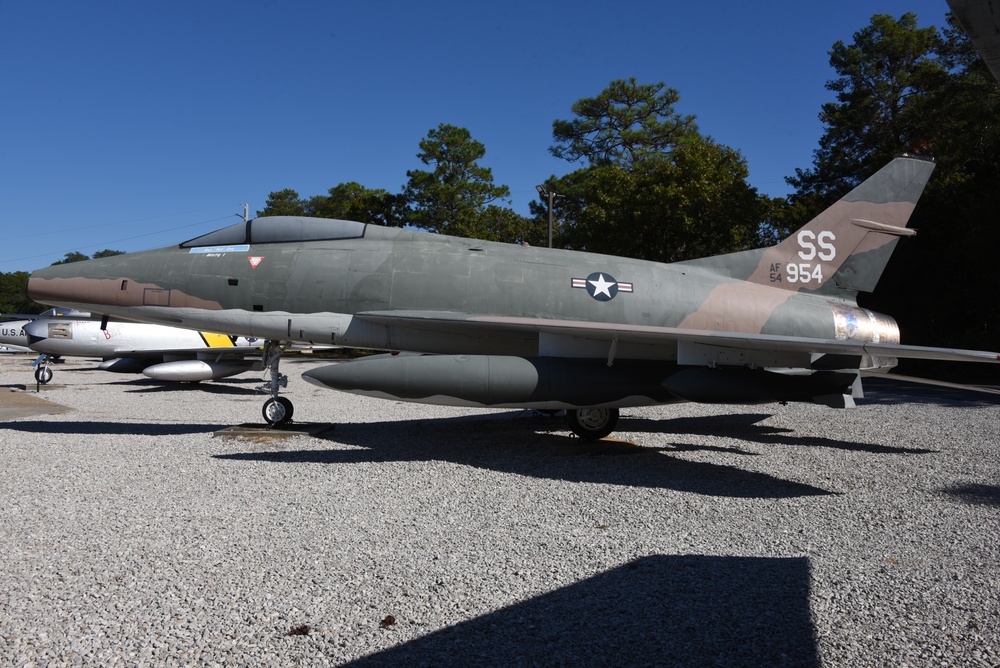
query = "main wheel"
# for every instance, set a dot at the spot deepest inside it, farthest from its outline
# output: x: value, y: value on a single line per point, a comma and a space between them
x: 592, y: 424
x: 43, y: 374
x: 277, y: 411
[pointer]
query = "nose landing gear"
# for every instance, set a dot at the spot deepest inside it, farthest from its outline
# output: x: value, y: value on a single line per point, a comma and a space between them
x: 277, y: 410
x: 43, y: 374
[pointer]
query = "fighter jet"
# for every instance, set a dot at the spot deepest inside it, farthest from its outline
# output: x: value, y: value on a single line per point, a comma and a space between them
x: 506, y: 325
x: 157, y: 351
x: 12, y: 337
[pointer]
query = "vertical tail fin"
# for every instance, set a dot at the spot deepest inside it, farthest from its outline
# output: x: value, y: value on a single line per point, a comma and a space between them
x: 845, y: 249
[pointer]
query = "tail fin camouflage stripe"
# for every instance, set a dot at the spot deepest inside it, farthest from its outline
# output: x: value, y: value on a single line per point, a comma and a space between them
x: 845, y: 248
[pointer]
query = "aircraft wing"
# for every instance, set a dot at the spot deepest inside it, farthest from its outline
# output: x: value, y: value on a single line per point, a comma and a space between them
x: 50, y: 313
x: 694, y: 346
x: 981, y: 21
x: 189, y: 353
x: 898, y: 377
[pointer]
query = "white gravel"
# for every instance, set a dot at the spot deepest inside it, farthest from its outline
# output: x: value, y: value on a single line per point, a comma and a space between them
x: 413, y: 535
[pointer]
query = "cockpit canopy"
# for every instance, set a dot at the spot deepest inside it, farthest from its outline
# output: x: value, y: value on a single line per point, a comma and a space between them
x: 279, y: 229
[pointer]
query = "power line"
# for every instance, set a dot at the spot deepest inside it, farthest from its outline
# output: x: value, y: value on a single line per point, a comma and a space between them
x: 106, y: 244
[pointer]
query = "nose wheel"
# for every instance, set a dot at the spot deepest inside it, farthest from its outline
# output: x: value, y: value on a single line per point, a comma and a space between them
x: 43, y: 374
x: 277, y: 410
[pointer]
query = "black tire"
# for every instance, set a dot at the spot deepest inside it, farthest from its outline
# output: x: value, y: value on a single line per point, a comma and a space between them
x: 43, y: 374
x: 277, y: 411
x: 592, y: 424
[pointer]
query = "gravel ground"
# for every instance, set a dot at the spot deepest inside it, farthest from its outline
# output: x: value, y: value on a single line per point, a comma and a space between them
x: 427, y: 536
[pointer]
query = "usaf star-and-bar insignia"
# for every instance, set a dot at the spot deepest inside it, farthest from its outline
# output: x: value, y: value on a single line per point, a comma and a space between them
x: 602, y: 287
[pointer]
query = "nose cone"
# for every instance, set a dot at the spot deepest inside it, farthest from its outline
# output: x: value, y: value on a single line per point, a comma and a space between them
x: 48, y: 285
x: 113, y: 285
x: 36, y: 331
x: 80, y: 285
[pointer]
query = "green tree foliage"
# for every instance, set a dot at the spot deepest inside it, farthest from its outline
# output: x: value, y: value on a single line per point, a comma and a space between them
x: 72, y: 256
x: 692, y: 203
x: 883, y: 78
x: 455, y: 195
x: 652, y: 187
x: 107, y: 253
x: 496, y: 223
x: 77, y: 256
x: 346, y: 201
x: 14, y: 294
x: 905, y: 88
x: 352, y: 201
x: 626, y: 123
x: 283, y: 203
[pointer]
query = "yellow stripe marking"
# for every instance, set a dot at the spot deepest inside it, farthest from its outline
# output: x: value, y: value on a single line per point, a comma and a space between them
x: 217, y: 340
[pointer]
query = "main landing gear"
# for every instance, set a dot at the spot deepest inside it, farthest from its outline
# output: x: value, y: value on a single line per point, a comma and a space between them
x: 277, y: 410
x: 592, y: 424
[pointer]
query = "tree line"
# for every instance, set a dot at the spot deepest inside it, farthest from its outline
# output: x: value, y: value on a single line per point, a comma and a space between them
x: 648, y: 184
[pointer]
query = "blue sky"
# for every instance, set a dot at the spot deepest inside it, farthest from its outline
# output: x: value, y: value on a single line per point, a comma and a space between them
x: 133, y: 125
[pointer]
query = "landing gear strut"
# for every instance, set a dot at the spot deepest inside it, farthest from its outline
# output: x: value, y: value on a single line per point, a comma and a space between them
x: 277, y: 411
x: 43, y: 374
x: 592, y: 424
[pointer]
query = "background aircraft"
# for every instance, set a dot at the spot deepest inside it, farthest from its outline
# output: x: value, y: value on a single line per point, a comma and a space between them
x: 512, y: 326
x: 157, y: 351
x: 12, y: 337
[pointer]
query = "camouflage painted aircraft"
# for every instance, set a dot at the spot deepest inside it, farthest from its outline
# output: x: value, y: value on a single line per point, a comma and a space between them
x: 505, y: 325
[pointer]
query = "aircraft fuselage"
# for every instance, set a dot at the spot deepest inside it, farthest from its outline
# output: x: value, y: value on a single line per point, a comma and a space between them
x: 308, y: 291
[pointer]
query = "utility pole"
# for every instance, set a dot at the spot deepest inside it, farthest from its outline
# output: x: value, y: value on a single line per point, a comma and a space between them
x: 551, y: 195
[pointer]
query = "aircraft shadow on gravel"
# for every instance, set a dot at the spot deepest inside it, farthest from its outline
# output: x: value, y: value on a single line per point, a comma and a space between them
x: 884, y: 392
x: 976, y: 494
x: 513, y: 446
x: 110, y: 428
x: 242, y: 386
x: 684, y: 610
x: 746, y: 427
x: 522, y: 446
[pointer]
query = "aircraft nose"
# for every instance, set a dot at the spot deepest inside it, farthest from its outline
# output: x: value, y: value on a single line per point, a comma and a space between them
x: 37, y: 331
x: 52, y: 285
x: 76, y: 284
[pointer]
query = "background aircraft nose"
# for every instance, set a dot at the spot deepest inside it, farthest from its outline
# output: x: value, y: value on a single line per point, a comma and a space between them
x: 36, y: 330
